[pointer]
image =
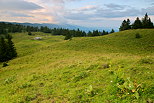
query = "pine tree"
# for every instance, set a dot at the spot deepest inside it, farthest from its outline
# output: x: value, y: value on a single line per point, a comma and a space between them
x: 112, y: 31
x: 125, y: 25
x: 96, y: 33
x: 10, y: 49
x: 137, y: 24
x: 3, y: 50
x: 150, y: 23
x: 104, y: 32
x: 146, y: 22
x: 89, y: 34
x: 128, y: 26
x: 7, y: 49
x: 68, y: 36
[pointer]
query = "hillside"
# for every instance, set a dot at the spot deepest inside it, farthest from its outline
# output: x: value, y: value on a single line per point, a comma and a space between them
x: 107, y: 69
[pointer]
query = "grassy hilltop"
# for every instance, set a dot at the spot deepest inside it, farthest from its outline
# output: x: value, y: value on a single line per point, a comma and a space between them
x: 116, y: 68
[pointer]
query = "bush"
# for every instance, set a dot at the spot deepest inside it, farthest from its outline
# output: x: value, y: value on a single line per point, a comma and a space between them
x: 137, y: 36
x: 29, y: 33
x: 5, y: 64
x: 68, y: 37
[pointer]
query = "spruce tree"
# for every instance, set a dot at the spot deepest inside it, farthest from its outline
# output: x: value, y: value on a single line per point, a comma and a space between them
x: 137, y: 24
x: 10, y: 48
x: 146, y: 22
x: 89, y: 34
x: 112, y: 31
x: 150, y: 23
x: 3, y: 50
x: 128, y: 26
x: 123, y: 26
x: 68, y: 36
x: 104, y: 32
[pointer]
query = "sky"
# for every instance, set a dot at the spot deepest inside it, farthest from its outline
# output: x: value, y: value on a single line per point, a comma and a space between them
x: 88, y: 13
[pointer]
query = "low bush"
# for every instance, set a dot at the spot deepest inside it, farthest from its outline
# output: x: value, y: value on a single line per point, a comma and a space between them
x: 137, y: 35
x: 5, y: 65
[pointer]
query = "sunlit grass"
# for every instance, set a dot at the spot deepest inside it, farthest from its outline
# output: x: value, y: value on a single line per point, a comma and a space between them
x: 55, y: 70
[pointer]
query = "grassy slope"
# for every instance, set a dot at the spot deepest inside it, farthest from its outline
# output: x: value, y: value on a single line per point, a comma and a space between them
x: 54, y: 70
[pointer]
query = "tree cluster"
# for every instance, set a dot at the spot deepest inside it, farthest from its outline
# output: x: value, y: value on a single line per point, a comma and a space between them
x: 7, y: 49
x: 138, y: 24
x: 6, y: 28
x: 74, y: 33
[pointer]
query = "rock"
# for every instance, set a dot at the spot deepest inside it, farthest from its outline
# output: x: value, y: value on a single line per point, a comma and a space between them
x: 37, y: 38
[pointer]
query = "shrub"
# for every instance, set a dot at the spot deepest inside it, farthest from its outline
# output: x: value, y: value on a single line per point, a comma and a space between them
x: 29, y: 33
x: 5, y: 64
x: 137, y: 35
x: 68, y: 37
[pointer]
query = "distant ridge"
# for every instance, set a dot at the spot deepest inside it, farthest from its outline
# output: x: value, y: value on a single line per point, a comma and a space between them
x: 65, y: 26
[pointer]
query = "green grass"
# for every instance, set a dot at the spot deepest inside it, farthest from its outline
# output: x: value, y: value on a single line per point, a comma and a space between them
x: 116, y: 68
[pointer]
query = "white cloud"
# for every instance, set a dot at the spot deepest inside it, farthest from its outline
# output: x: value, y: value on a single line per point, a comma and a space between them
x: 18, y: 5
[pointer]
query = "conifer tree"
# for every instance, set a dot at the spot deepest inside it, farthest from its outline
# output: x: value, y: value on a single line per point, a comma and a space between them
x: 137, y: 24
x: 3, y: 50
x: 150, y: 23
x: 146, y: 22
x: 7, y: 49
x: 128, y: 26
x: 104, y: 32
x: 112, y: 31
x: 89, y: 34
x: 123, y: 25
x: 68, y: 36
x: 10, y: 49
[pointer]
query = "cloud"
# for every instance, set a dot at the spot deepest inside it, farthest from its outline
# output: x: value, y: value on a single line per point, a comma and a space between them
x: 88, y: 7
x: 18, y: 5
x: 59, y: 1
x: 16, y: 14
x: 149, y: 10
x: 115, y: 6
x: 79, y: 12
x: 108, y: 11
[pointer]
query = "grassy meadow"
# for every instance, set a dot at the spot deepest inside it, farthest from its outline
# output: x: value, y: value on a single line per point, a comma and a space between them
x: 115, y: 68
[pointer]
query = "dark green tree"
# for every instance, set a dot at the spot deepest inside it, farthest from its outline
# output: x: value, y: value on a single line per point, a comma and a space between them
x: 3, y: 50
x: 29, y: 33
x: 68, y: 36
x: 96, y: 33
x: 128, y: 26
x: 112, y: 31
x: 146, y: 22
x: 11, y: 51
x: 125, y: 25
x: 150, y: 23
x: 7, y: 49
x: 137, y: 24
x: 104, y: 32
x: 90, y: 34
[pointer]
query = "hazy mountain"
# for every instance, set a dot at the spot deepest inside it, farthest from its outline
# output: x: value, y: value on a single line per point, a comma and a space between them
x: 66, y: 26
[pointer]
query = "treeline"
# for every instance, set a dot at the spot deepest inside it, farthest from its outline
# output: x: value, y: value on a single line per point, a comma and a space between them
x: 7, y: 49
x: 137, y: 24
x: 73, y: 33
x: 6, y: 28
